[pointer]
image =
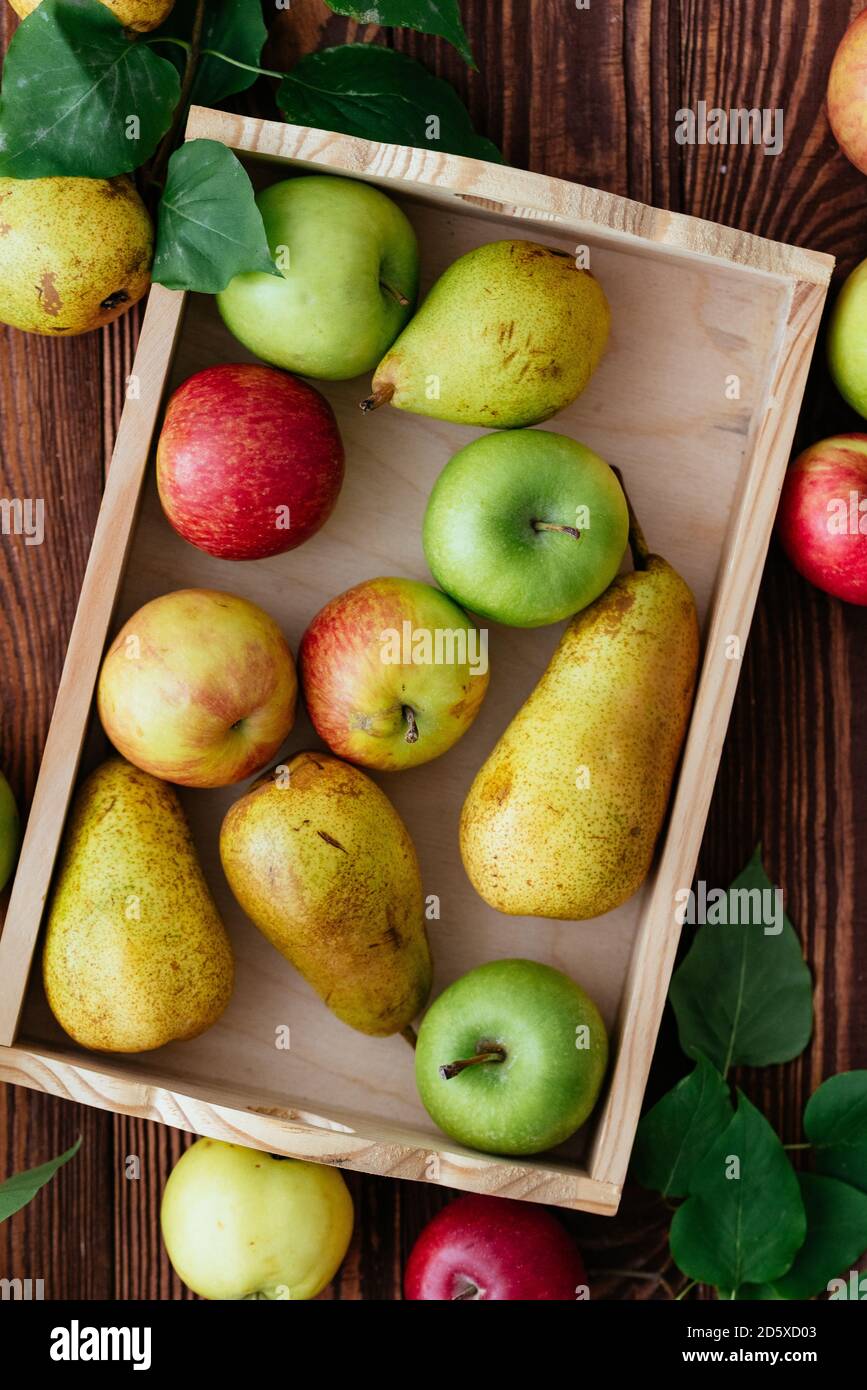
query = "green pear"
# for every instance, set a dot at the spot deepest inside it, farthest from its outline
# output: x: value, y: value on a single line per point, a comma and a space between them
x: 10, y: 831
x: 562, y: 819
x: 510, y: 334
x: 322, y: 864
x: 135, y: 953
x: 74, y: 253
x: 348, y: 263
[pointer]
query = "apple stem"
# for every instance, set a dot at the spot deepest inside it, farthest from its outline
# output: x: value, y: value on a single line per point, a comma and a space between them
x: 494, y: 1054
x: 412, y: 726
x: 409, y: 1035
x: 471, y: 1291
x: 395, y: 293
x: 381, y: 396
x: 550, y: 526
x: 637, y: 543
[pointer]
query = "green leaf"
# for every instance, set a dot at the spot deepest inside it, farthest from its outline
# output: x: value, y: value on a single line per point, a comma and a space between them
x: 678, y: 1131
x: 21, y: 1188
x: 744, y: 1220
x: 440, y: 17
x: 836, y: 1236
x: 233, y: 27
x: 752, y: 1293
x: 835, y: 1122
x: 209, y: 226
x: 744, y: 995
x: 361, y: 89
x: 80, y: 98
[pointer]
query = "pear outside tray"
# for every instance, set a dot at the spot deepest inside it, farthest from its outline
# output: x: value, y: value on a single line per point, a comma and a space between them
x: 696, y: 401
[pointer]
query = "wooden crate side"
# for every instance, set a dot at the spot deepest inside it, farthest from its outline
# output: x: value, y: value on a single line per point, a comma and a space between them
x: 516, y: 192
x: 383, y: 1150
x: 741, y: 571
x: 60, y: 759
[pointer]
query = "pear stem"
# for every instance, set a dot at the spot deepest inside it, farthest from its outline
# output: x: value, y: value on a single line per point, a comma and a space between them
x: 381, y: 396
x: 637, y: 543
x: 412, y: 727
x: 551, y: 526
x: 395, y: 293
x: 494, y: 1054
x: 409, y: 1035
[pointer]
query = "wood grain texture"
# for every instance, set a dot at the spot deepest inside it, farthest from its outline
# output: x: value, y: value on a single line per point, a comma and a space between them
x: 588, y: 96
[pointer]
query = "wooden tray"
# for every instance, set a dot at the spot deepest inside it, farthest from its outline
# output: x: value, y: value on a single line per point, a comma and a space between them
x: 696, y: 401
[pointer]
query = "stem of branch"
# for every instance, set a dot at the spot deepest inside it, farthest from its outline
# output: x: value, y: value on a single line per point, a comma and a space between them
x: 154, y: 176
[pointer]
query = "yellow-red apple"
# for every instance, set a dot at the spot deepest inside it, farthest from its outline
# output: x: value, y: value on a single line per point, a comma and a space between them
x: 199, y: 688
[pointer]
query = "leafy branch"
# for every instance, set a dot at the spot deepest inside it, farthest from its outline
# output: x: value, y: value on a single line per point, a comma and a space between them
x: 749, y: 1225
x: 84, y: 97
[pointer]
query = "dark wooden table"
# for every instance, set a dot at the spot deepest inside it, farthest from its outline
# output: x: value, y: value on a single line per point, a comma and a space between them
x: 589, y: 95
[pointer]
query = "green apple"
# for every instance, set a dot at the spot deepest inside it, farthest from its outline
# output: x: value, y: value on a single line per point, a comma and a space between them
x: 10, y: 831
x: 348, y: 258
x: 238, y: 1223
x: 525, y: 528
x: 511, y: 1057
x: 847, y: 340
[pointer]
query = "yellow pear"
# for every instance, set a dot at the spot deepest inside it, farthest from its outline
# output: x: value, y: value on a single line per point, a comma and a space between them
x: 74, y: 253
x: 136, y: 955
x: 133, y: 14
x: 322, y: 863
x: 562, y: 818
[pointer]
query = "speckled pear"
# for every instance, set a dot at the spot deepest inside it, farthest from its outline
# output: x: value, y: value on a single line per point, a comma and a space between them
x: 136, y: 955
x: 510, y: 334
x: 74, y: 253
x: 323, y: 865
x: 132, y: 14
x: 562, y: 819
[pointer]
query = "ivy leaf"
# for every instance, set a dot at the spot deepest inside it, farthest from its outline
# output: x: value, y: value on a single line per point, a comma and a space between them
x: 79, y: 97
x: 440, y: 17
x: 233, y: 27
x: 362, y: 89
x: 209, y: 226
x: 835, y: 1122
x: 836, y: 1236
x: 677, y: 1132
x: 744, y: 994
x: 744, y: 1224
x: 21, y: 1188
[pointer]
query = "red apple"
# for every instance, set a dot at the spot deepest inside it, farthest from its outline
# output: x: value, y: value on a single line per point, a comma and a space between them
x: 822, y: 521
x: 249, y: 461
x: 847, y: 93
x: 490, y: 1248
x: 393, y: 673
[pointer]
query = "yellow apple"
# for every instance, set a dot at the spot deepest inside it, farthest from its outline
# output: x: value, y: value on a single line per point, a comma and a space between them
x: 242, y: 1224
x: 198, y: 688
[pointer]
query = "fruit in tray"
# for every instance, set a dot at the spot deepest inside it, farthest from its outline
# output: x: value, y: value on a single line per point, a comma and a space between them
x: 489, y: 1249
x: 199, y: 688
x: 10, y: 832
x: 238, y: 1223
x: 562, y: 818
x: 511, y: 1057
x: 348, y: 263
x: 525, y: 528
x: 510, y: 334
x: 135, y: 955
x: 822, y: 521
x: 74, y: 254
x: 249, y: 461
x: 393, y: 672
x: 321, y: 862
